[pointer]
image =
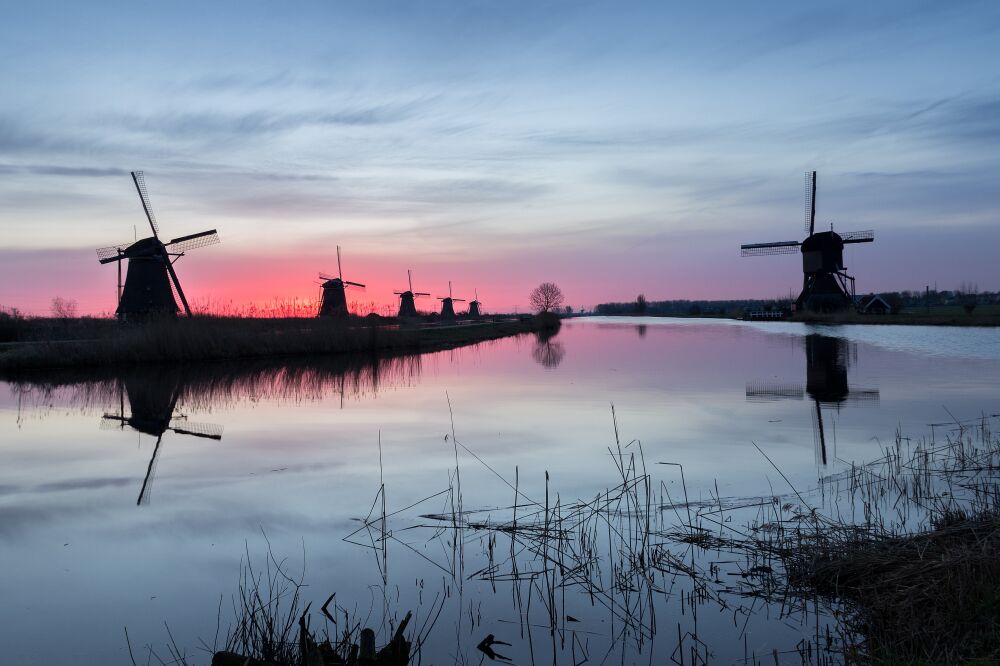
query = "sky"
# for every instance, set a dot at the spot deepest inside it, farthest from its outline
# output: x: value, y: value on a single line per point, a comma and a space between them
x: 614, y: 148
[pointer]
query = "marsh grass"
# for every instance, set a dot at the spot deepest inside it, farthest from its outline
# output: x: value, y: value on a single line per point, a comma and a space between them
x: 894, y: 561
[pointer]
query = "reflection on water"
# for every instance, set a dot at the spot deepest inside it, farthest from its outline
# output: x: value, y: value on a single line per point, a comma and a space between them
x: 308, y: 445
x: 152, y: 407
x: 827, y: 362
x: 548, y: 352
x: 153, y: 395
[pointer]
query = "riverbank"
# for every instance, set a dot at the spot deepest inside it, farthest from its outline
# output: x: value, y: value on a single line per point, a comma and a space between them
x: 101, y: 343
x: 934, y: 317
x: 943, y: 317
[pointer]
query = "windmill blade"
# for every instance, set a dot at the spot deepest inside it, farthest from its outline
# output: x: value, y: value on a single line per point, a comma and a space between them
x: 458, y: 300
x: 177, y: 286
x: 203, y: 239
x: 763, y: 249
x: 340, y: 271
x: 354, y: 284
x: 810, y: 202
x: 420, y: 293
x: 111, y: 253
x: 140, y: 185
x: 858, y: 237
x: 409, y: 277
x: 864, y: 397
x: 819, y: 435
x: 206, y: 430
x: 147, y: 481
x: 113, y: 422
x: 327, y: 278
x: 771, y: 391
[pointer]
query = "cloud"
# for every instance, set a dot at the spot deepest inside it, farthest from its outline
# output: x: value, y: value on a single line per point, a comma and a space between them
x: 208, y: 125
x: 62, y: 170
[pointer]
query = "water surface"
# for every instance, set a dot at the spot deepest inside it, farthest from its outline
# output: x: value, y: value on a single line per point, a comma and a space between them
x: 129, y: 499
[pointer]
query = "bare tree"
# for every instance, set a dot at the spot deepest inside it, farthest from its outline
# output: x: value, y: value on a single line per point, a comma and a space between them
x: 63, y: 308
x: 546, y: 297
x: 968, y: 295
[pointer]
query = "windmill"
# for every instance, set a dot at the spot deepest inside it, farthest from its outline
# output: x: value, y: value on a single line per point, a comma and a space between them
x: 151, y: 406
x: 448, y: 304
x: 826, y: 286
x: 827, y: 363
x: 474, y: 306
x: 407, y: 304
x: 334, y: 299
x: 151, y: 281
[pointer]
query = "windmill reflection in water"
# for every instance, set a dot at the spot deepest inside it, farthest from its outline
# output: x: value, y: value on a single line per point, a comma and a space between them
x: 152, y: 407
x: 827, y: 362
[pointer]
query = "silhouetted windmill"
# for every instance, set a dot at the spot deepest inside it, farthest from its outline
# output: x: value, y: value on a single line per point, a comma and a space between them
x: 826, y: 286
x: 474, y: 306
x: 148, y: 289
x: 448, y: 304
x: 152, y: 406
x: 827, y: 363
x: 407, y: 304
x: 334, y: 298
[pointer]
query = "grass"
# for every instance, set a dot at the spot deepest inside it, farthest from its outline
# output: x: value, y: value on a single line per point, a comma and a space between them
x: 96, y: 343
x: 983, y: 315
x: 900, y: 556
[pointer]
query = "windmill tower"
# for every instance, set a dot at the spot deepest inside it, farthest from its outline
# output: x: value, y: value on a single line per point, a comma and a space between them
x: 152, y: 406
x: 826, y: 286
x: 448, y: 304
x: 407, y: 304
x: 827, y: 364
x: 334, y: 302
x: 474, y: 307
x: 151, y: 281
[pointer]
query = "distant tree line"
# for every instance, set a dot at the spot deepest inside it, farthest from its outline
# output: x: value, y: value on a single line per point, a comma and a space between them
x: 686, y: 307
x: 966, y: 296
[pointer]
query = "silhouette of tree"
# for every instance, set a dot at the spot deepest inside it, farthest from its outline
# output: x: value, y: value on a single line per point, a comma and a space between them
x: 968, y: 295
x: 63, y: 308
x: 640, y: 304
x: 546, y: 297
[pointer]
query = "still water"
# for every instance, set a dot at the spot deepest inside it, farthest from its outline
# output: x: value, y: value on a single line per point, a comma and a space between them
x: 130, y: 500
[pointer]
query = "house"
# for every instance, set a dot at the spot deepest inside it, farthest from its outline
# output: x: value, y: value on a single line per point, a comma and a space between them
x: 874, y: 304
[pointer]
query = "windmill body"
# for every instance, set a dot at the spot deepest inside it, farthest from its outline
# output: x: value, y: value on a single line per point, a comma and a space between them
x: 147, y: 288
x: 334, y: 302
x: 407, y: 299
x: 826, y: 285
x: 448, y: 304
x: 151, y: 282
x: 474, y: 309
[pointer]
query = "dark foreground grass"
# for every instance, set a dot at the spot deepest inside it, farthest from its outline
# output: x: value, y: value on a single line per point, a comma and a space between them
x: 94, y: 343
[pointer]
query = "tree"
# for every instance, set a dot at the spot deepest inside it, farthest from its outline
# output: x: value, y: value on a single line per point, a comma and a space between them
x: 640, y: 304
x: 546, y: 297
x: 968, y: 295
x: 63, y: 308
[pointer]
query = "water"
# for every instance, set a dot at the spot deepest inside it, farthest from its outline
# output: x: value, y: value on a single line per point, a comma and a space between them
x: 103, y: 528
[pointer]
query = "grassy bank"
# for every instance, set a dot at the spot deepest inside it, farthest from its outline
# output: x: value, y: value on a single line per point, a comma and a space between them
x: 938, y: 316
x: 90, y: 343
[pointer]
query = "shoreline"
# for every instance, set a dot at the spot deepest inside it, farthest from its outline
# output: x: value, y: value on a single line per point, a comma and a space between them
x: 218, y: 339
x: 963, y: 321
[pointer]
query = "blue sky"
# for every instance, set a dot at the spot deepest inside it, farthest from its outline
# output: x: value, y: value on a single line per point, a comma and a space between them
x: 614, y: 148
